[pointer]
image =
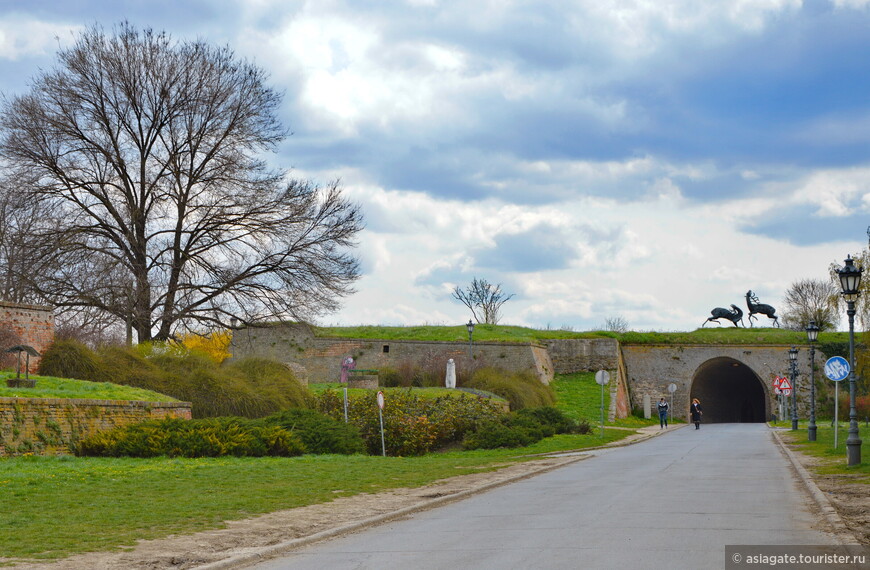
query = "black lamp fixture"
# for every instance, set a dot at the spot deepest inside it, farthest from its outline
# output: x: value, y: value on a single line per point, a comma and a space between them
x: 792, y: 357
x: 850, y: 282
x: 812, y: 337
x: 470, y: 326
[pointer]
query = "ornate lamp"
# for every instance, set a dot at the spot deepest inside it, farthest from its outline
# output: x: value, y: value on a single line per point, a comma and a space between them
x: 792, y: 357
x: 812, y: 337
x: 470, y: 326
x: 850, y: 281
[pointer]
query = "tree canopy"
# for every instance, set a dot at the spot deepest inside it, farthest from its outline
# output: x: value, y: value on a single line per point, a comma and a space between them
x: 146, y: 156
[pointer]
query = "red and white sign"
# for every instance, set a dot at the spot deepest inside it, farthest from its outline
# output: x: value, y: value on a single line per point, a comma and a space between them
x: 776, y: 382
x: 784, y: 385
x: 786, y: 392
x: 381, y: 400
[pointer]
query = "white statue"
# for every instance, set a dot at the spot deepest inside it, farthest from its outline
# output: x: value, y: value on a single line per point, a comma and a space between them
x: 450, y: 382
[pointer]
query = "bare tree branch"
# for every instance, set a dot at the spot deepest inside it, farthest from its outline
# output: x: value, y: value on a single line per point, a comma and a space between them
x: 484, y: 300
x: 149, y: 151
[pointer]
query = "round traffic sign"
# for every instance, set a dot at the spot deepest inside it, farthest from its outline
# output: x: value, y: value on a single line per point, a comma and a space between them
x: 837, y: 368
x: 602, y: 377
x: 672, y: 387
x: 786, y: 392
x: 381, y: 400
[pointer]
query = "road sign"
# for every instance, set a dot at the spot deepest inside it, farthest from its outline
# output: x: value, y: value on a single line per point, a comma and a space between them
x: 672, y: 388
x: 786, y: 392
x: 784, y: 384
x: 777, y: 382
x: 381, y: 400
x: 837, y: 368
x: 602, y: 377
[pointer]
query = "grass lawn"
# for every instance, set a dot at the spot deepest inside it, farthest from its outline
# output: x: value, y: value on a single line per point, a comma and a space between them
x: 50, y: 387
x: 51, y: 507
x: 834, y: 459
x: 506, y: 333
x: 579, y: 397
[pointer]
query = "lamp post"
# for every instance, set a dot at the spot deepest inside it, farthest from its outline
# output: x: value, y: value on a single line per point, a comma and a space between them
x: 470, y: 326
x: 812, y: 337
x: 850, y: 280
x: 792, y: 357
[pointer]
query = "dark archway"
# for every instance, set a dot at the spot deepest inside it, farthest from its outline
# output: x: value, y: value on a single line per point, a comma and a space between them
x: 729, y: 391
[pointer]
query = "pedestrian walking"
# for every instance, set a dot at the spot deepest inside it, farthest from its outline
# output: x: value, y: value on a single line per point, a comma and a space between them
x: 663, y: 413
x: 696, y: 413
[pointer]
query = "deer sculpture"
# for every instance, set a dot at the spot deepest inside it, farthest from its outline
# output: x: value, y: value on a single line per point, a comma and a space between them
x: 760, y: 308
x: 721, y: 313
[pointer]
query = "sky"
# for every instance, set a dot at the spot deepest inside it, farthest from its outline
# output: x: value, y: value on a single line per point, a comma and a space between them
x: 648, y: 160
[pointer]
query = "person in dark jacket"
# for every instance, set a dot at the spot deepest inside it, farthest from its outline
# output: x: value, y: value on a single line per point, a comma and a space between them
x: 663, y: 413
x: 696, y: 413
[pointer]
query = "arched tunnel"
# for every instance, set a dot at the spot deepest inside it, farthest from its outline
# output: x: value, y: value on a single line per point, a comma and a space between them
x: 729, y: 392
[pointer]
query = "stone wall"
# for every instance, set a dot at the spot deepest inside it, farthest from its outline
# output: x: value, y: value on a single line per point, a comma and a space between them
x: 322, y: 357
x: 45, y: 426
x: 651, y: 368
x: 33, y: 324
x: 583, y: 355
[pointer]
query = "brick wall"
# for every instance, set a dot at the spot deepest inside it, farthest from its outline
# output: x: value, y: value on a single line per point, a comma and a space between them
x: 32, y: 323
x: 45, y: 426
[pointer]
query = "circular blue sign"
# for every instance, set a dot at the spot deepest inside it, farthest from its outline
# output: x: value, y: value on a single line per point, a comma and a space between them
x: 837, y: 368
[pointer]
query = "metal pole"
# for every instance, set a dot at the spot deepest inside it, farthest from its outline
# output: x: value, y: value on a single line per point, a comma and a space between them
x: 470, y: 357
x: 853, y: 442
x: 811, y: 430
x: 602, y: 410
x: 345, y: 404
x: 383, y: 444
x: 794, y: 417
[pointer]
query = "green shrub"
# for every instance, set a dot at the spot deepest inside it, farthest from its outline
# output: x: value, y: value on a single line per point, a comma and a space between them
x: 412, y: 425
x: 273, y: 380
x: 71, y: 359
x: 320, y: 433
x: 492, y: 435
x: 521, y: 390
x: 212, y: 437
x: 553, y: 417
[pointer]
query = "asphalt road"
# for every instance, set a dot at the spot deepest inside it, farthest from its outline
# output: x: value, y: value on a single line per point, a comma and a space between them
x: 671, y: 502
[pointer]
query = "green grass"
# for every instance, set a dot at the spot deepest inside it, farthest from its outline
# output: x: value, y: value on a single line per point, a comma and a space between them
x: 52, y: 507
x: 833, y: 459
x: 50, y: 387
x: 505, y: 333
x: 579, y: 397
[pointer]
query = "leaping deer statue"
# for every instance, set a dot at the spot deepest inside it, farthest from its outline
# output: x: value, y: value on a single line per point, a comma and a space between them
x: 720, y: 313
x: 760, y: 308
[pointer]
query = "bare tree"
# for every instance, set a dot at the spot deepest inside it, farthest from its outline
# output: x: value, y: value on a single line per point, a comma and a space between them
x: 484, y: 300
x: 810, y: 300
x: 617, y: 323
x: 149, y: 151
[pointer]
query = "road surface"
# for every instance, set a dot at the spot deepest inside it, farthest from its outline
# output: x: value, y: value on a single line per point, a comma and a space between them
x: 671, y: 502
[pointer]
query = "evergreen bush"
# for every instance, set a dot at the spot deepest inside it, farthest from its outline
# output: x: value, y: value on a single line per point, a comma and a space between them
x: 320, y: 433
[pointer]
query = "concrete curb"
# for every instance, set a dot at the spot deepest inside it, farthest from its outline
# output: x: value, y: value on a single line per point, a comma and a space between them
x: 830, y: 513
x: 268, y: 552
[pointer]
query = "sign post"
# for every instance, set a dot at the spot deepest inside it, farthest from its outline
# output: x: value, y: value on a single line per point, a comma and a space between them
x: 381, y: 416
x: 837, y: 368
x: 602, y: 377
x: 671, y: 389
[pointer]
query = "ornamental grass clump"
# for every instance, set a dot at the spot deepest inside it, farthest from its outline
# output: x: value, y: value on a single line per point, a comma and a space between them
x: 67, y: 358
x: 520, y: 389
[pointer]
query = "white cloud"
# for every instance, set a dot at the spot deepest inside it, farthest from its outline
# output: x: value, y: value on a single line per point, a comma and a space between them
x: 21, y: 37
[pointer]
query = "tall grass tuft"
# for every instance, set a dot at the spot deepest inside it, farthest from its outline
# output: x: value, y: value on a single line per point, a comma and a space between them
x: 521, y: 390
x: 71, y: 359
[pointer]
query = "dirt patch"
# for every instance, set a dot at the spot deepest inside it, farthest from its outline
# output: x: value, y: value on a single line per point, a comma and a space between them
x: 246, y: 536
x: 850, y: 498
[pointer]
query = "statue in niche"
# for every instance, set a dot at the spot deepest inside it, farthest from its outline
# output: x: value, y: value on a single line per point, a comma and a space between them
x: 722, y: 313
x: 759, y: 308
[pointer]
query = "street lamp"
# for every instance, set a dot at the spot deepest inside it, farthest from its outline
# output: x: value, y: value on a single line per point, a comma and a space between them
x: 850, y: 280
x: 470, y: 326
x: 792, y: 357
x: 812, y: 337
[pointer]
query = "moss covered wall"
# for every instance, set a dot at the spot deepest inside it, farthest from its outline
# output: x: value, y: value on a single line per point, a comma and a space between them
x: 45, y: 426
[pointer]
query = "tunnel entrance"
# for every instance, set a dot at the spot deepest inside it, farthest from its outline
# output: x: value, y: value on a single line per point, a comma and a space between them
x: 729, y: 391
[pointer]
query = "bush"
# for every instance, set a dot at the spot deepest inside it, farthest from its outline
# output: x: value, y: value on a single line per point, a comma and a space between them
x: 273, y: 380
x: 552, y: 417
x: 319, y: 432
x: 521, y: 390
x: 412, y: 425
x: 71, y: 359
x: 192, y: 438
x: 492, y: 435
